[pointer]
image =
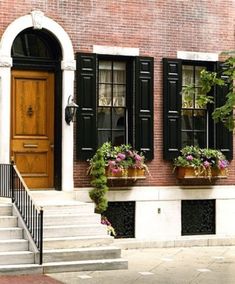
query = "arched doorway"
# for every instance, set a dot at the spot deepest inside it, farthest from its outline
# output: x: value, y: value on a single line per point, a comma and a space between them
x: 35, y: 97
x: 38, y: 21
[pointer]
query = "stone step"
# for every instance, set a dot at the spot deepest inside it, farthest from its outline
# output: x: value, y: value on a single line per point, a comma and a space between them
x: 74, y: 230
x: 60, y: 209
x: 8, y: 221
x: 72, y: 219
x: 85, y: 265
x: 16, y: 257
x: 5, y: 209
x: 11, y: 233
x: 14, y: 245
x: 19, y: 269
x: 81, y: 254
x: 76, y: 242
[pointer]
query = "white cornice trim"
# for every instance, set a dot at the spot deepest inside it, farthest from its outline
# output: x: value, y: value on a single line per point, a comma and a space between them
x: 202, y: 56
x: 116, y: 50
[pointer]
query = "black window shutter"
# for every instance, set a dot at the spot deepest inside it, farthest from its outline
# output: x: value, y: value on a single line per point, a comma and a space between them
x: 86, y: 98
x: 223, y: 137
x: 172, y: 85
x: 144, y: 106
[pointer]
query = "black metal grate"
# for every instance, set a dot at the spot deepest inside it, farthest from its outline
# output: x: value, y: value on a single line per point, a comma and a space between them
x: 198, y: 217
x: 122, y: 217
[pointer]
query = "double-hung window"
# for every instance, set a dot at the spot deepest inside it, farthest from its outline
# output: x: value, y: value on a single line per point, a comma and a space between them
x: 194, y: 116
x: 112, y: 108
x: 186, y: 120
x: 115, y: 98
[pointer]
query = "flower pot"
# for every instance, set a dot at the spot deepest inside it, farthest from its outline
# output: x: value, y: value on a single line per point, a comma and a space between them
x: 119, y: 174
x: 135, y: 172
x: 191, y: 173
x: 130, y: 173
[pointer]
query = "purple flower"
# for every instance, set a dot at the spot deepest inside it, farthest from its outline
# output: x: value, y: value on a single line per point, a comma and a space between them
x: 189, y: 157
x: 206, y: 164
x: 223, y: 164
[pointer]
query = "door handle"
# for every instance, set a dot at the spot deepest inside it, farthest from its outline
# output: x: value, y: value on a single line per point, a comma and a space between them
x: 52, y: 146
x: 30, y: 145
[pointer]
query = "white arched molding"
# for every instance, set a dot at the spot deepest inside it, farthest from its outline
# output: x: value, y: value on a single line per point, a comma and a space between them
x: 37, y: 20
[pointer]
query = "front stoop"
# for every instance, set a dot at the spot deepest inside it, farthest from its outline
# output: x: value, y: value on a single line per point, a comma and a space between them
x: 95, y: 258
x: 74, y: 238
x: 15, y: 256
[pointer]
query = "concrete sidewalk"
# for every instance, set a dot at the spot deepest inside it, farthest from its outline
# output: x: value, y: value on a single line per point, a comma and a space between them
x: 192, y: 265
x: 28, y: 279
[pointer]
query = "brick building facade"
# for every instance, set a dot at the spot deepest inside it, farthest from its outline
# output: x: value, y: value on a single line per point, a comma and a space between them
x: 185, y: 30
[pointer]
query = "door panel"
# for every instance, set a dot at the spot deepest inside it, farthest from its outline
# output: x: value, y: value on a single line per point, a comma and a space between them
x: 32, y: 139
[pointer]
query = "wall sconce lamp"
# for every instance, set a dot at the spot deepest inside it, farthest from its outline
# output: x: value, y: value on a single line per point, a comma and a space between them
x: 70, y: 110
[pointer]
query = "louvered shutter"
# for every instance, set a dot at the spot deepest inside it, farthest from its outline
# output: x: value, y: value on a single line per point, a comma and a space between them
x: 86, y: 98
x: 223, y: 137
x: 144, y: 106
x: 172, y: 85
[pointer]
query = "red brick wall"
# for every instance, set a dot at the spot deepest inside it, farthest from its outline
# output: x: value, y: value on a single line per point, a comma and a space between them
x: 158, y: 28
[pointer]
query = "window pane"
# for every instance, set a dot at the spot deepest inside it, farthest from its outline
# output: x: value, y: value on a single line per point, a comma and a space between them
x: 18, y: 47
x: 186, y: 119
x: 199, y: 120
x: 105, y: 95
x: 187, y: 75
x: 187, y: 98
x: 105, y: 72
x: 103, y: 136
x: 198, y: 103
x: 187, y: 138
x: 200, y: 139
x: 118, y: 118
x: 118, y: 138
x: 198, y: 70
x: 119, y: 95
x: 119, y: 72
x: 103, y: 117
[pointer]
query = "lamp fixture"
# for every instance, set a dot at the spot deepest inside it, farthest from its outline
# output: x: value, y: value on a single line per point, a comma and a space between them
x: 70, y: 110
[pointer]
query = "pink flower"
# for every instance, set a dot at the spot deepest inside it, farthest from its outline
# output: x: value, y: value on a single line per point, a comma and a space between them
x: 189, y: 158
x: 112, y: 163
x: 206, y: 164
x: 138, y: 157
x: 121, y: 156
x: 115, y: 170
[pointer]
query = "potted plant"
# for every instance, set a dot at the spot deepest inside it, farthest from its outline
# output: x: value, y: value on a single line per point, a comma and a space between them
x: 195, y: 162
x: 124, y: 161
x: 113, y: 162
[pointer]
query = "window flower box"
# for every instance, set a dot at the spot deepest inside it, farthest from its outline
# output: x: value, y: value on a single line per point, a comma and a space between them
x: 195, y: 162
x: 191, y: 173
x: 130, y: 173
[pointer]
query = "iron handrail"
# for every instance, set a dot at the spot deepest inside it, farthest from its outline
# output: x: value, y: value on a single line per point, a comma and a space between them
x: 13, y: 186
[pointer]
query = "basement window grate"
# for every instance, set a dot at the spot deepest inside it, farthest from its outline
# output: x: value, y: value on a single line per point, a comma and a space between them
x: 121, y: 214
x: 198, y: 217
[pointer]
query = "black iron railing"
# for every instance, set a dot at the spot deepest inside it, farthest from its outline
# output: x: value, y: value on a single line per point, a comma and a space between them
x: 6, y: 180
x: 12, y: 185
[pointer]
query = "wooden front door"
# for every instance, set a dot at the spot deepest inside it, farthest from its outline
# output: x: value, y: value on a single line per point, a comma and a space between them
x: 32, y: 124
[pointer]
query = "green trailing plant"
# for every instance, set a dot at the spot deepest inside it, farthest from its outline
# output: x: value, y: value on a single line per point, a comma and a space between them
x: 99, y: 182
x: 115, y: 159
